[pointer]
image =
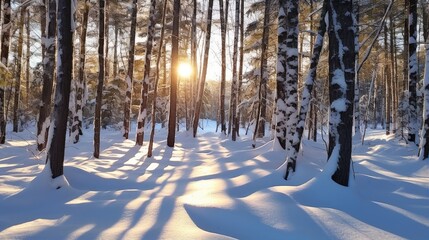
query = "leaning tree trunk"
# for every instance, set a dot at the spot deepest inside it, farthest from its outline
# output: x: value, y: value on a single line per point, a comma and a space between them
x: 130, y: 73
x: 101, y: 76
x: 341, y: 89
x: 4, y: 56
x: 77, y: 121
x: 261, y: 113
x: 146, y: 76
x: 48, y: 76
x: 291, y: 81
x: 204, y: 73
x: 171, y: 136
x: 412, y: 71
x: 55, y: 156
x: 311, y: 77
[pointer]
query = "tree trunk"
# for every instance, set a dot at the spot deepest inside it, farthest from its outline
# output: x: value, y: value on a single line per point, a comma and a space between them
x: 412, y: 71
x: 204, y: 73
x: 146, y: 76
x: 4, y: 57
x: 292, y: 71
x: 171, y: 137
x: 18, y: 76
x: 387, y: 80
x: 55, y: 156
x: 306, y: 95
x: 424, y: 138
x: 155, y: 90
x: 115, y: 52
x: 101, y: 76
x: 27, y: 60
x: 341, y: 89
x: 262, y: 106
x: 234, y: 84
x: 48, y: 76
x: 240, y: 66
x: 357, y: 119
x: 223, y: 24
x: 77, y: 122
x: 130, y: 73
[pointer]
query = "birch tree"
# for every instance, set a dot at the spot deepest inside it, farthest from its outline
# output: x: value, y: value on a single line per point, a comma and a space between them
x: 130, y: 71
x: 341, y: 88
x: 412, y: 71
x: 424, y: 137
x: 48, y: 75
x: 146, y: 76
x: 290, y: 83
x: 77, y: 121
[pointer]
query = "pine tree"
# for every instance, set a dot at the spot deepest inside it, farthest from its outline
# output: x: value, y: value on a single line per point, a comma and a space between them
x: 101, y: 76
x: 18, y: 76
x: 55, y: 156
x: 424, y: 137
x: 171, y: 137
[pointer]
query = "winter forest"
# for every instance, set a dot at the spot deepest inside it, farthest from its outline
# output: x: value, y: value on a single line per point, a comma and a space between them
x: 186, y: 119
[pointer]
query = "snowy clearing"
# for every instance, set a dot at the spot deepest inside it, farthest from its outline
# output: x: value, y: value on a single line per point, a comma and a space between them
x: 211, y: 188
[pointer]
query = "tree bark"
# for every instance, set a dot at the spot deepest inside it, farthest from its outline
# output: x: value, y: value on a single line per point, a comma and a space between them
x: 48, y: 76
x: 4, y: 59
x: 171, y: 137
x: 18, y: 76
x: 204, y: 73
x: 77, y: 122
x: 223, y: 24
x: 101, y: 76
x: 146, y: 76
x: 412, y: 71
x: 262, y: 95
x: 341, y: 90
x: 130, y: 73
x: 55, y: 156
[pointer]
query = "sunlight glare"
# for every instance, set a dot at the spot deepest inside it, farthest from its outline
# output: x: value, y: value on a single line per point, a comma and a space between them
x: 184, y: 70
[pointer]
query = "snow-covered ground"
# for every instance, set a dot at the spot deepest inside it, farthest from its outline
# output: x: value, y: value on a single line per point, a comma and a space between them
x: 211, y: 188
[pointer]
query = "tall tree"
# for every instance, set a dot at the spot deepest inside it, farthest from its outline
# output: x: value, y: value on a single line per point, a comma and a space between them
x: 261, y: 112
x: 202, y: 82
x: 55, y: 156
x: 171, y: 137
x: 18, y: 74
x: 101, y: 76
x: 130, y: 73
x: 341, y: 88
x: 146, y: 76
x: 7, y: 9
x: 155, y: 90
x: 291, y: 81
x: 412, y: 70
x: 48, y: 76
x: 223, y: 24
x: 234, y: 85
x: 77, y: 122
x: 424, y: 137
x: 308, y: 85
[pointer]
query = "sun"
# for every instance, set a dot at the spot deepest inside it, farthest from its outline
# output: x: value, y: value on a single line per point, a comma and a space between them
x: 184, y: 70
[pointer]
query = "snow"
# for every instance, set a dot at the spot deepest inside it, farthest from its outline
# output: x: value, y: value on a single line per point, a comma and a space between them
x: 211, y: 188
